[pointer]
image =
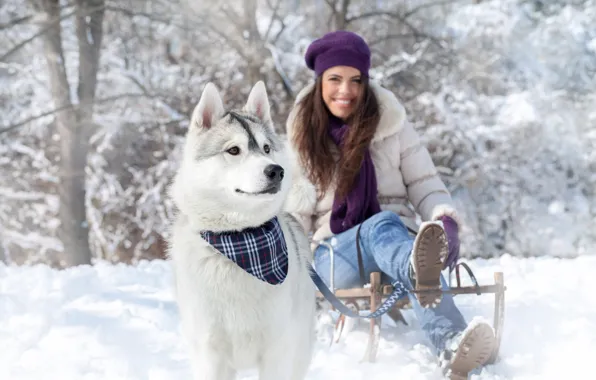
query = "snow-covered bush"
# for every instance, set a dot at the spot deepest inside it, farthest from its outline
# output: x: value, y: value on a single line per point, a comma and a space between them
x: 517, y: 127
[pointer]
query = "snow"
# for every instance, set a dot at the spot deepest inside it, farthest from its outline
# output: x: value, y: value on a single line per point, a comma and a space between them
x: 121, y: 322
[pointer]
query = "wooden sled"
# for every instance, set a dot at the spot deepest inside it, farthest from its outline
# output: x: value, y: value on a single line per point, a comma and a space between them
x: 375, y: 292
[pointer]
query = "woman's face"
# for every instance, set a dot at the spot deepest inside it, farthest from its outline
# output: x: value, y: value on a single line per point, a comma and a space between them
x: 341, y: 87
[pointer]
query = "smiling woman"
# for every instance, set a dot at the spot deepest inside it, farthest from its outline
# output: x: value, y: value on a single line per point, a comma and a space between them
x: 341, y: 87
x: 364, y: 173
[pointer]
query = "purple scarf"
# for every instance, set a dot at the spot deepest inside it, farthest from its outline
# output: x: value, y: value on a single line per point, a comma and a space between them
x: 361, y: 202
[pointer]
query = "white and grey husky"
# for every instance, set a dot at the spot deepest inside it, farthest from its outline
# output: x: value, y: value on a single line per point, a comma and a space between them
x: 240, y: 265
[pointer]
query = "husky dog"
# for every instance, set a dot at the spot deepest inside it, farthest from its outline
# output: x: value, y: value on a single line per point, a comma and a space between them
x: 240, y: 264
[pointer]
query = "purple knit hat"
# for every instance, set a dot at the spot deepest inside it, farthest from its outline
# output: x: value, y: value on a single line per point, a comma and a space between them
x: 340, y: 48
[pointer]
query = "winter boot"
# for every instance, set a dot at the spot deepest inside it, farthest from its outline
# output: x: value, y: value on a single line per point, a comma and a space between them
x: 467, y: 351
x: 426, y: 262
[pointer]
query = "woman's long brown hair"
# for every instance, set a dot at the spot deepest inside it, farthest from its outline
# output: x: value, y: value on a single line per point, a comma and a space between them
x: 315, y: 147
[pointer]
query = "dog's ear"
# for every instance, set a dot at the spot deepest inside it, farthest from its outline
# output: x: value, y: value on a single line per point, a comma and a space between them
x: 209, y: 109
x: 258, y: 102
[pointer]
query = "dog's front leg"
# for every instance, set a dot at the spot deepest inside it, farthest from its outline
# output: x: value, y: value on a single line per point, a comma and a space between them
x: 276, y: 363
x: 208, y: 364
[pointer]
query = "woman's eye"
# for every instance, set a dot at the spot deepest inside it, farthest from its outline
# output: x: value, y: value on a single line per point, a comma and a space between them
x: 267, y: 149
x: 234, y: 151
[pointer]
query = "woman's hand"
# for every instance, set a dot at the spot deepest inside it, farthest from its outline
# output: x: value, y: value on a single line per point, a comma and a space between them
x: 452, y: 231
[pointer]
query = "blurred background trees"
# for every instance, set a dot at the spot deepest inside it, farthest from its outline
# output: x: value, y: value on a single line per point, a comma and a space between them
x: 95, y: 97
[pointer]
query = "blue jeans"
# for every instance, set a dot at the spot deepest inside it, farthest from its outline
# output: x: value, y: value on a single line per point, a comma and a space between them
x: 386, y: 247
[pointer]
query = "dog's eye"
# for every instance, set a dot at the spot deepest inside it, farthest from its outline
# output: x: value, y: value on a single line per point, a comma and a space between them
x: 267, y: 148
x: 234, y: 151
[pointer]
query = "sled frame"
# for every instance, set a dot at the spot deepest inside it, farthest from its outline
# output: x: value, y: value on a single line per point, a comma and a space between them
x: 375, y: 292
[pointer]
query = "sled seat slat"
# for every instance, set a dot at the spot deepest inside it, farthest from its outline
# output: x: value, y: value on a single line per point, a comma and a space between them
x: 365, y: 292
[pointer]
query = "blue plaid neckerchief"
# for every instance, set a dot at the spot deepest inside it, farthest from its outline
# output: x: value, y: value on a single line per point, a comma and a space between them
x: 260, y: 251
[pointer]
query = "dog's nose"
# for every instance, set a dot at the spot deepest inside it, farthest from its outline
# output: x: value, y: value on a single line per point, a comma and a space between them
x: 275, y: 173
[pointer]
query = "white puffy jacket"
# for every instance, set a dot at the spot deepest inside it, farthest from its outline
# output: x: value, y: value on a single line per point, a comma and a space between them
x: 407, y: 179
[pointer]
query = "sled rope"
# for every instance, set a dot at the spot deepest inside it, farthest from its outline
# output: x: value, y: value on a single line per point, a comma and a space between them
x: 399, y: 292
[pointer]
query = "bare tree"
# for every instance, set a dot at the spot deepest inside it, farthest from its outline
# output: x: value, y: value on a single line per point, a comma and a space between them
x: 74, y: 122
x: 338, y: 17
x: 236, y: 25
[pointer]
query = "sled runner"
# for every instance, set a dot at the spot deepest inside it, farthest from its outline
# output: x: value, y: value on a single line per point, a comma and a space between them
x: 382, y: 298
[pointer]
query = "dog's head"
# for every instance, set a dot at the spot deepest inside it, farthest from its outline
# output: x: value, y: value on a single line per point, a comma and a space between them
x: 234, y: 169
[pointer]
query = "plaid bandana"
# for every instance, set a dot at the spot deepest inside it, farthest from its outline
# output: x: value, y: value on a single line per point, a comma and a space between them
x: 260, y: 251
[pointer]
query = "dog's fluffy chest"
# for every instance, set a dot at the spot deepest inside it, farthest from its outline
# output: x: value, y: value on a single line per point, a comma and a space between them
x: 234, y: 310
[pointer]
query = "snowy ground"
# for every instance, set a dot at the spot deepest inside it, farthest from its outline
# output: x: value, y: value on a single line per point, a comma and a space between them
x: 120, y: 322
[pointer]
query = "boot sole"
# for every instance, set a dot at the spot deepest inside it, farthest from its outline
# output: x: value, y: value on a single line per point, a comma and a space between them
x: 474, y: 350
x: 431, y: 248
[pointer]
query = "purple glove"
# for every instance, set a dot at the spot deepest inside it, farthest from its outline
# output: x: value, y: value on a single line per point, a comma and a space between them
x: 451, y: 230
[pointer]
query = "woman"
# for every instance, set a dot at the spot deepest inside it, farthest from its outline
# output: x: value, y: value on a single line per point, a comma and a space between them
x: 364, y: 174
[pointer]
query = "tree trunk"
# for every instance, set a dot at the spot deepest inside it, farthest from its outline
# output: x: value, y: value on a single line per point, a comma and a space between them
x: 342, y: 15
x: 74, y: 124
x: 254, y: 43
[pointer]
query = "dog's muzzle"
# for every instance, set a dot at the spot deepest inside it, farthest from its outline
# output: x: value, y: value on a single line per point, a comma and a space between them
x: 274, y: 173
